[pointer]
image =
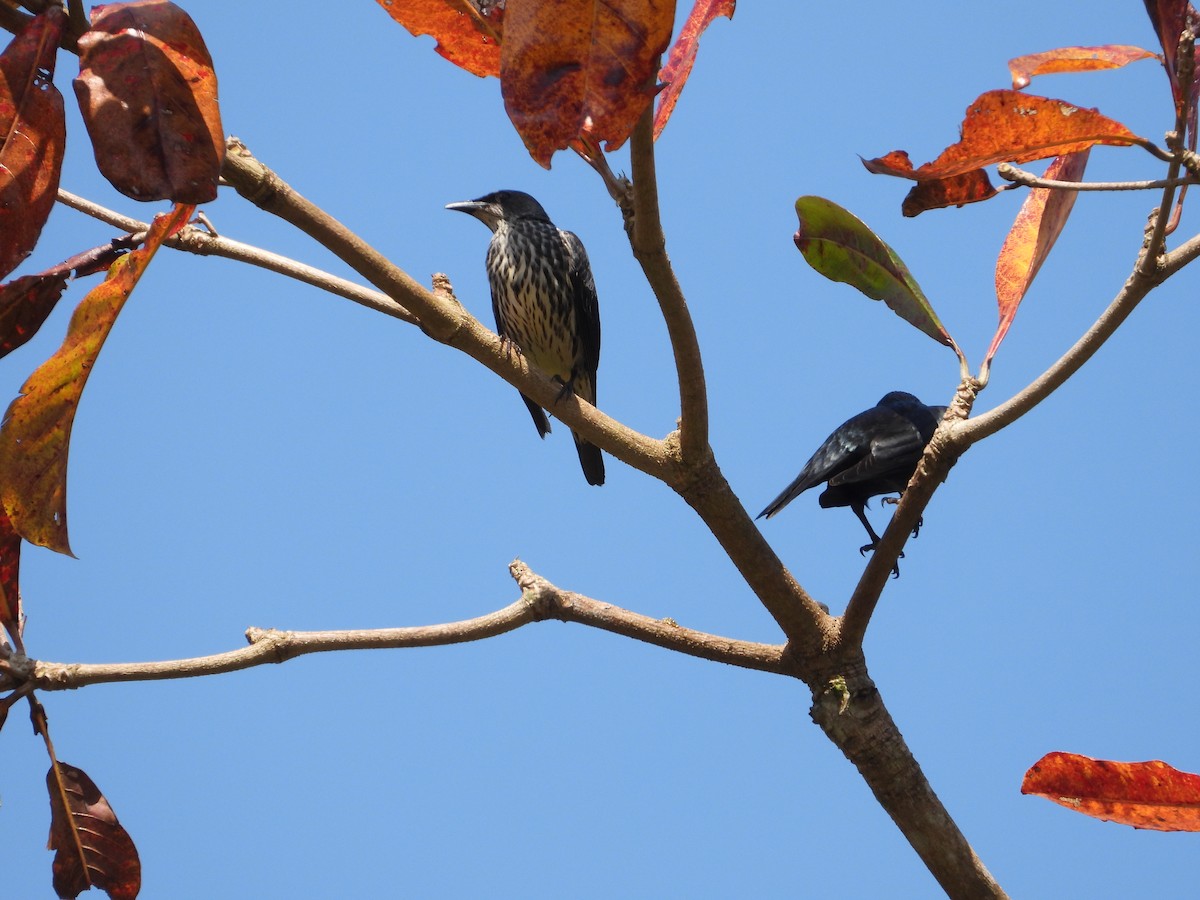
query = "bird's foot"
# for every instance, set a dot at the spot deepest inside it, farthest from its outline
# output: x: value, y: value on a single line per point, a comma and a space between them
x: 567, y: 389
x: 917, y: 527
x: 895, y: 566
x: 509, y: 346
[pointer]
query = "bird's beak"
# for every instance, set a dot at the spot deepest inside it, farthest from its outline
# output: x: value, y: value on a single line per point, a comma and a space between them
x: 471, y: 207
x: 487, y: 213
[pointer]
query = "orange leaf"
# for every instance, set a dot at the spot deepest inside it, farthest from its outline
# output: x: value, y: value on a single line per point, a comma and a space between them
x: 32, y: 136
x: 956, y: 190
x: 1150, y: 795
x: 1009, y: 126
x: 148, y: 95
x: 577, y: 65
x: 683, y: 56
x: 467, y: 31
x: 1074, y: 59
x: 1029, y: 241
x: 91, y: 848
x: 10, y: 588
x: 36, y: 432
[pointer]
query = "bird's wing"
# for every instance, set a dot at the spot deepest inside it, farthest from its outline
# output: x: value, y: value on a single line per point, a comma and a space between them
x: 496, y: 287
x: 587, y: 306
x: 895, y: 444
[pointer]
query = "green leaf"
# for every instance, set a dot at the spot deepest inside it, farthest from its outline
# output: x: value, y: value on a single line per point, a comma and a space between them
x: 842, y: 248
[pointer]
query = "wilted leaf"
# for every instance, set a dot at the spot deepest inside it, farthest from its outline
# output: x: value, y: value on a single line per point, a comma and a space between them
x: 956, y: 190
x: 683, y: 56
x: 32, y: 135
x: 91, y: 848
x: 842, y: 248
x: 468, y: 32
x: 10, y: 587
x: 35, y: 436
x: 148, y: 95
x: 573, y: 64
x: 1150, y: 795
x: 1029, y: 241
x: 1074, y: 59
x: 1009, y: 126
x: 24, y: 305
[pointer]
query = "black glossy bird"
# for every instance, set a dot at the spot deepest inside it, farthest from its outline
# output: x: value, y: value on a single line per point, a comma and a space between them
x: 544, y: 299
x: 874, y: 453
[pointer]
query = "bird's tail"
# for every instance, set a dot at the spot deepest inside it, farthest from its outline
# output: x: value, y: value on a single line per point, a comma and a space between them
x: 539, y: 417
x: 591, y: 460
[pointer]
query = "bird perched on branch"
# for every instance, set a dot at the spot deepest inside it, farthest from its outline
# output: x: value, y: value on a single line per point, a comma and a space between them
x: 874, y: 453
x: 544, y: 299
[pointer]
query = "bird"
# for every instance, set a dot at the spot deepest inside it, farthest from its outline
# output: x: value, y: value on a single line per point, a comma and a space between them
x: 544, y: 301
x: 873, y: 453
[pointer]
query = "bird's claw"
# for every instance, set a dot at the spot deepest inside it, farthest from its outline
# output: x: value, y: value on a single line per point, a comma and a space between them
x: 509, y: 346
x: 895, y: 566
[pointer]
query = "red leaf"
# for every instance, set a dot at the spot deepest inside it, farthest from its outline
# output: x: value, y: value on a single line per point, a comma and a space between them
x: 956, y: 190
x: 36, y: 433
x: 467, y: 31
x: 148, y: 94
x: 1150, y: 795
x: 32, y: 135
x: 577, y: 65
x: 1170, y: 18
x: 91, y: 848
x: 24, y: 305
x: 1009, y: 126
x: 1074, y: 59
x: 1029, y: 241
x: 683, y: 56
x: 10, y: 588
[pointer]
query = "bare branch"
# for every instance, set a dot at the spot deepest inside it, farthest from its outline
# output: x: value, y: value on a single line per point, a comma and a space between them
x: 650, y: 248
x: 205, y: 243
x: 540, y: 601
x: 1131, y: 294
x: 1009, y: 172
x: 666, y: 633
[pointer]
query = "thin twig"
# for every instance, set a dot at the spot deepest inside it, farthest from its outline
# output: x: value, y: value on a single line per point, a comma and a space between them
x: 204, y: 243
x: 540, y: 601
x: 1009, y: 172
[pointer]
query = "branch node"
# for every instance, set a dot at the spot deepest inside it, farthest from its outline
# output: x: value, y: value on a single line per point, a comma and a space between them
x: 277, y: 643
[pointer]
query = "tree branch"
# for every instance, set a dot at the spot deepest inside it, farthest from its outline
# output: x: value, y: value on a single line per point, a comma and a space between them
x: 1131, y: 294
x: 540, y: 601
x: 1009, y: 172
x: 650, y: 249
x: 192, y: 239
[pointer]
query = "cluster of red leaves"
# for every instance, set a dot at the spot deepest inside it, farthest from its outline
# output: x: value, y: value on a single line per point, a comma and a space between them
x: 148, y: 96
x: 571, y: 72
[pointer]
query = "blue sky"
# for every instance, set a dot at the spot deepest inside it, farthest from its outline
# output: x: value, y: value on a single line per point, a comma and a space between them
x: 250, y: 452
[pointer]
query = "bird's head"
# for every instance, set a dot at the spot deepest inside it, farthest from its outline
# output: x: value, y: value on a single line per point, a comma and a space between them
x: 499, y: 206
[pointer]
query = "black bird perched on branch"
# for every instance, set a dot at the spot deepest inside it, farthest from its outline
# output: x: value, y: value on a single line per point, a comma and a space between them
x: 544, y: 300
x: 874, y: 453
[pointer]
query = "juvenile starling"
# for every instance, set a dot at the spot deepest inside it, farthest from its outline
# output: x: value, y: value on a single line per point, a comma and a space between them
x: 874, y: 453
x: 544, y: 300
